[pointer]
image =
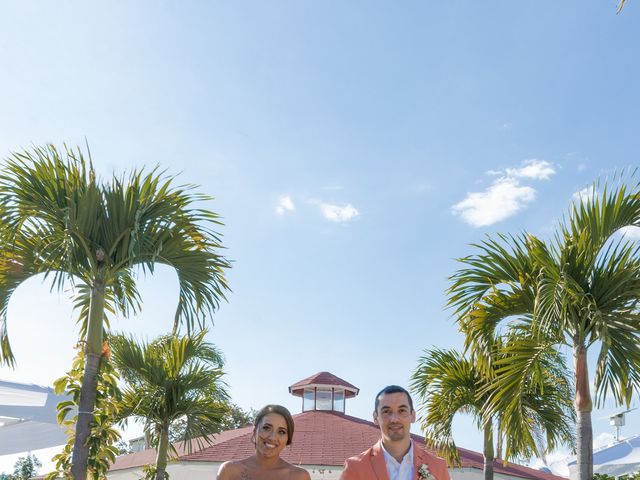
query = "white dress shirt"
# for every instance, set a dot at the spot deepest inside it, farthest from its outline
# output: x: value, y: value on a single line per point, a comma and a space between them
x: 402, y: 470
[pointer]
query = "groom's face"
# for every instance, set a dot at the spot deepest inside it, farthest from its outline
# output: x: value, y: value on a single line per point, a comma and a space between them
x: 394, y: 416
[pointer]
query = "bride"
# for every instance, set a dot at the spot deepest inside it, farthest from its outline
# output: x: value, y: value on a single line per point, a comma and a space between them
x: 272, y: 431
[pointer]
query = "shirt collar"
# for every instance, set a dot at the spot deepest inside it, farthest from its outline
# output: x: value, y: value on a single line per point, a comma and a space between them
x: 388, y: 458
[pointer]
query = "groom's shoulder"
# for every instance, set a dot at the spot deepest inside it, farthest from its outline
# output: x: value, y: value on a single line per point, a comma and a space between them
x: 358, y: 467
x: 362, y: 459
x: 361, y: 456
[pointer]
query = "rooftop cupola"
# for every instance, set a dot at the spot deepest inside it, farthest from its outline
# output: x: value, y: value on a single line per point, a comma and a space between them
x: 323, y: 391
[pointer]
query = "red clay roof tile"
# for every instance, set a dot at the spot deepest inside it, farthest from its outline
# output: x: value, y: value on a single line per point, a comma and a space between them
x: 328, y: 438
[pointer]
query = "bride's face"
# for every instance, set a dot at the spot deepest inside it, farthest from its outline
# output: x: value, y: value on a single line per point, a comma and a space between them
x: 271, y: 435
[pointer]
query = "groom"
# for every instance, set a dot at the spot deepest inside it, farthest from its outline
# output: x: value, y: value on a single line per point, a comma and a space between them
x: 395, y: 456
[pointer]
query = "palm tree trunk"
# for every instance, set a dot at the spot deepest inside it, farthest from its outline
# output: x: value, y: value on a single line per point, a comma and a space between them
x: 163, y: 448
x: 488, y: 451
x: 583, y: 407
x: 499, y: 440
x: 88, y: 391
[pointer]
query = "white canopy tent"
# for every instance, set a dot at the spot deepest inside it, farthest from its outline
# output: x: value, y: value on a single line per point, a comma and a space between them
x: 28, y: 418
x: 618, y: 459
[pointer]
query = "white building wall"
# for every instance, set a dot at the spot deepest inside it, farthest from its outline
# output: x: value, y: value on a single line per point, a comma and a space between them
x: 476, y: 474
x: 176, y: 470
x: 209, y: 470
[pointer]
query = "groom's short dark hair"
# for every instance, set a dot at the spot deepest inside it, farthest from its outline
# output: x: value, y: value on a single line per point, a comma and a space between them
x: 392, y: 389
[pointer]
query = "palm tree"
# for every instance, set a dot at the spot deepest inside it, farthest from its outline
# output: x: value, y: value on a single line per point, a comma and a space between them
x: 171, y: 379
x: 580, y: 290
x: 58, y: 219
x: 448, y: 383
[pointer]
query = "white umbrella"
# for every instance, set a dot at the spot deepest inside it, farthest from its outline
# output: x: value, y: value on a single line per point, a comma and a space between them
x: 28, y: 418
x: 622, y: 457
x: 618, y: 459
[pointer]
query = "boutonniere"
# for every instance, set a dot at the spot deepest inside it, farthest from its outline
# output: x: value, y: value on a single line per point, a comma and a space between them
x: 424, y: 473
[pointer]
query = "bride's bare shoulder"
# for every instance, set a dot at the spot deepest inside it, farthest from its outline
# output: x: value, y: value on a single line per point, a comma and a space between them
x: 231, y: 470
x: 298, y: 473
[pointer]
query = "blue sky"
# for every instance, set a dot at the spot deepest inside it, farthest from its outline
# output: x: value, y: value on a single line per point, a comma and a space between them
x: 354, y: 150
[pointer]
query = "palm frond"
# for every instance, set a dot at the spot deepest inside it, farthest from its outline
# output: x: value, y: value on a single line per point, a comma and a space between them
x: 445, y: 384
x: 496, y: 285
x: 617, y: 372
x: 594, y: 220
x: 59, y: 219
x: 172, y: 378
x: 530, y: 391
x: 150, y: 221
x: 581, y: 288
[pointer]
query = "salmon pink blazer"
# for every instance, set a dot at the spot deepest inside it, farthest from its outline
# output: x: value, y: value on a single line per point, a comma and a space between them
x: 370, y: 465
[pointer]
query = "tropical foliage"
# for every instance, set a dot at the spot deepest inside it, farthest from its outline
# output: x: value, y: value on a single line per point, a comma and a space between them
x: 234, y: 417
x: 103, y: 437
x: 580, y: 290
x: 628, y: 476
x: 25, y: 468
x: 621, y: 5
x: 168, y: 380
x: 59, y: 220
x: 448, y: 383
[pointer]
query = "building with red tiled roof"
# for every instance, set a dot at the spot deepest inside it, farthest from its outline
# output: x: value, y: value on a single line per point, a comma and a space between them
x: 324, y: 437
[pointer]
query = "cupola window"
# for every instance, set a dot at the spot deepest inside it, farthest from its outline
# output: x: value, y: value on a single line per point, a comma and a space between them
x: 323, y: 392
x: 324, y: 398
x: 309, y: 402
x: 338, y: 400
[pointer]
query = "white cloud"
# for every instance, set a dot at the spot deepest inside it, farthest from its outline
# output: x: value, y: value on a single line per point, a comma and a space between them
x: 505, y: 196
x: 584, y: 195
x: 502, y: 199
x: 581, y: 167
x: 339, y: 213
x: 285, y: 204
x: 534, y: 169
x: 630, y: 232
